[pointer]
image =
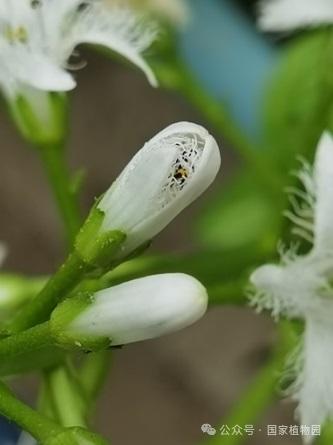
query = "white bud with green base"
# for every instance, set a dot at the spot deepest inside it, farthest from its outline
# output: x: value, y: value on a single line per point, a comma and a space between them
x: 171, y: 171
x: 137, y: 310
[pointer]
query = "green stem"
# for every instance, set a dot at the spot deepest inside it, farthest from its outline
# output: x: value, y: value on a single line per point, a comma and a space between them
x: 261, y: 393
x: 60, y: 181
x: 93, y: 374
x: 27, y: 341
x: 28, y: 419
x: 56, y: 289
x: 29, y: 350
x: 67, y: 397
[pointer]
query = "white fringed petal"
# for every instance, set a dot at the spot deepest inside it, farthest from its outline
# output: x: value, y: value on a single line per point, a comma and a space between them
x: 164, y: 177
x: 301, y: 287
x: 36, y: 41
x: 323, y: 211
x: 118, y: 29
x: 313, y: 389
x: 286, y: 15
x: 143, y: 308
x: 289, y: 290
x: 41, y: 73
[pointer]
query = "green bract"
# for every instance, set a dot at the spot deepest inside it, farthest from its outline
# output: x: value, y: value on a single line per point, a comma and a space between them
x: 94, y: 246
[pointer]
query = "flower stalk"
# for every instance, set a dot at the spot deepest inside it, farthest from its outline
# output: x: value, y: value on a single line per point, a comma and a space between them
x: 30, y: 420
x: 46, y: 431
x: 67, y: 277
x: 61, y: 183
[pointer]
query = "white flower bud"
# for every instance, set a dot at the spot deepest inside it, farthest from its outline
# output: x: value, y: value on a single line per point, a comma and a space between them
x: 136, y: 310
x: 164, y: 177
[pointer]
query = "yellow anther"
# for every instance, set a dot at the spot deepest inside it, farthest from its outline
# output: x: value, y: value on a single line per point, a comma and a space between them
x: 18, y: 34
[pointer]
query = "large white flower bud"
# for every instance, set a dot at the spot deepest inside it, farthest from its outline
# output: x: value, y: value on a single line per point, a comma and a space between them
x: 164, y: 177
x: 136, y: 310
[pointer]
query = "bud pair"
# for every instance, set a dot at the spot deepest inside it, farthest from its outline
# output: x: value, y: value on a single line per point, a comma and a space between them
x: 164, y: 177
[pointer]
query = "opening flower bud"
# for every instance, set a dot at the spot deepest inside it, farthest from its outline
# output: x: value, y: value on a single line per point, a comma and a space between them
x: 136, y: 310
x: 165, y: 176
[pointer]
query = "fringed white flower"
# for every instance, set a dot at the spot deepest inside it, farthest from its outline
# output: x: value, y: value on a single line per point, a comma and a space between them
x: 301, y: 287
x: 38, y: 38
x: 287, y: 15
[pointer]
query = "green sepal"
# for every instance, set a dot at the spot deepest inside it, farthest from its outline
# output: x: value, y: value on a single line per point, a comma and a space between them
x: 75, y: 436
x: 63, y: 316
x: 32, y: 127
x: 97, y: 247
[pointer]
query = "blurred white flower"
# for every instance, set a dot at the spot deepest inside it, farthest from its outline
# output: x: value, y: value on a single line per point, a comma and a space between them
x: 38, y: 38
x: 136, y: 310
x: 286, y: 15
x: 164, y: 177
x: 301, y: 287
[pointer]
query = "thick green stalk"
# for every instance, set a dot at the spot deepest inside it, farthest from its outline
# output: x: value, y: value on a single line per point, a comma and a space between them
x: 29, y: 350
x: 66, y: 396
x: 27, y: 341
x: 93, y: 374
x: 61, y: 183
x: 28, y: 419
x: 38, y: 311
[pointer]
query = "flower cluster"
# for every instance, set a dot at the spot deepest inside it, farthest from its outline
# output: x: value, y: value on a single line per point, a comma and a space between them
x: 38, y: 55
x: 165, y: 176
x: 301, y: 287
x: 80, y: 307
x: 38, y: 38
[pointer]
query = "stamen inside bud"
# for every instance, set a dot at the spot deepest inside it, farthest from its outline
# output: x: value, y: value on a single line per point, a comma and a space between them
x: 165, y: 176
x: 189, y: 148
